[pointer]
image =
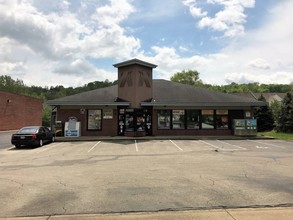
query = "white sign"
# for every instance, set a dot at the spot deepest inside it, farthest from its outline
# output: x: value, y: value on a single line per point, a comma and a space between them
x: 72, y: 128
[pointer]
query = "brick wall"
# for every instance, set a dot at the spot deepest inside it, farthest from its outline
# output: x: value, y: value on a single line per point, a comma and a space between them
x: 109, y: 126
x: 17, y: 111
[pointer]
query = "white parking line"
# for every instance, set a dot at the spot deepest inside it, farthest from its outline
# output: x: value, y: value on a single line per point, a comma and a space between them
x: 233, y: 145
x: 136, y: 148
x: 176, y: 145
x: 48, y: 148
x: 211, y: 145
x: 272, y: 145
x: 94, y: 146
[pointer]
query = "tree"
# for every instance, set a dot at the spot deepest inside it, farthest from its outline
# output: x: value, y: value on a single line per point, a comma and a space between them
x: 189, y: 77
x: 276, y: 110
x: 286, y: 116
x: 264, y: 116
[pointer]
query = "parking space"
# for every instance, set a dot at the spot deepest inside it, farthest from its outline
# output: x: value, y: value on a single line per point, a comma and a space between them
x: 144, y: 175
x: 129, y: 147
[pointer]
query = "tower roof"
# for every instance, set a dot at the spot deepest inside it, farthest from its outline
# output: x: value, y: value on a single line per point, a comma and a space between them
x: 134, y: 61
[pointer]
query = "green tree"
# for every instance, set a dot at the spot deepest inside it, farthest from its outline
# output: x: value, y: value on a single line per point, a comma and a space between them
x: 46, y: 116
x: 264, y: 116
x: 286, y: 117
x: 189, y: 77
x: 276, y: 110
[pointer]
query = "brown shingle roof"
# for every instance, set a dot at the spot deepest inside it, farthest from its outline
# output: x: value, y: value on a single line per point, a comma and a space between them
x: 165, y: 93
x: 177, y: 94
x: 103, y: 96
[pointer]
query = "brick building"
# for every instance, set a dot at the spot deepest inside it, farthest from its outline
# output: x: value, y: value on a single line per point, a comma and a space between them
x: 17, y: 111
x: 140, y: 105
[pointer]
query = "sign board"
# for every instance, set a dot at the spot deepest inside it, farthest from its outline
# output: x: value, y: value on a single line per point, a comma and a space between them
x: 108, y: 114
x: 72, y: 127
x: 251, y: 124
x: 239, y: 124
x: 245, y: 127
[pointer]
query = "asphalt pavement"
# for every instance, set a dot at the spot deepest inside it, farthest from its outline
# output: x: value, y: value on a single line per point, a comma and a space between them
x: 106, y: 178
x: 5, y: 138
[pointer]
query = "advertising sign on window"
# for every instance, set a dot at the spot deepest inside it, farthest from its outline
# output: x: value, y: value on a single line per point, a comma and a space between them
x: 108, y: 114
x: 251, y: 124
x: 239, y: 124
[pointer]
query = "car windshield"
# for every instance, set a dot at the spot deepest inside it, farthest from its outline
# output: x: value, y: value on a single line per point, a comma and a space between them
x: 27, y: 131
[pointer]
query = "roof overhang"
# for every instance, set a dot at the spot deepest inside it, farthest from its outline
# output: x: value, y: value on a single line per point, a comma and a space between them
x: 85, y: 103
x: 204, y: 104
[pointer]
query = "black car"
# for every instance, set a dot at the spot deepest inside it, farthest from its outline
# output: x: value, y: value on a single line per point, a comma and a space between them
x: 32, y: 136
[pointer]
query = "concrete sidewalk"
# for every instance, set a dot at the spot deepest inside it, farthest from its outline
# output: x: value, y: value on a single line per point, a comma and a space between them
x: 281, y: 213
x: 182, y: 137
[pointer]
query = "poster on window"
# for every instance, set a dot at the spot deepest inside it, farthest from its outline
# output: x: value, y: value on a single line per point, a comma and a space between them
x: 94, y: 119
x: 108, y: 114
x: 239, y: 124
x: 251, y: 124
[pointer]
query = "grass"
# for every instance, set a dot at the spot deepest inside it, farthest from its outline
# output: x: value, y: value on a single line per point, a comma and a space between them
x: 278, y: 135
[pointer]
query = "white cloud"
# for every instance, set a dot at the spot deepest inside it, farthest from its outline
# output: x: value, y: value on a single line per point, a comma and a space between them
x: 194, y: 10
x: 113, y: 14
x: 230, y: 19
x: 169, y: 62
x: 35, y: 35
x: 259, y: 63
x: 183, y: 49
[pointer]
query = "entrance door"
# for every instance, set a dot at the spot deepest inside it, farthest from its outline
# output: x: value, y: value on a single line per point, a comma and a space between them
x: 135, y: 120
x: 148, y: 122
x: 121, y: 122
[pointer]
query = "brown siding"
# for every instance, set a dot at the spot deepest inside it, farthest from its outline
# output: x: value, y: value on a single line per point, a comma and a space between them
x: 135, y: 84
x: 17, y: 111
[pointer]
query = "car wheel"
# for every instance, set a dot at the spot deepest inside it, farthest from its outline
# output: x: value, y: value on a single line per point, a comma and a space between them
x: 53, y: 139
x: 40, y: 142
x: 17, y: 146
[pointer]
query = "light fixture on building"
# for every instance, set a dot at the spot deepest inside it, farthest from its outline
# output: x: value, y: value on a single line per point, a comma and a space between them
x: 9, y: 100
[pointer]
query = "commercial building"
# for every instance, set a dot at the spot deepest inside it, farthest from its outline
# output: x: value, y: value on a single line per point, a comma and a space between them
x: 140, y: 105
x: 17, y: 111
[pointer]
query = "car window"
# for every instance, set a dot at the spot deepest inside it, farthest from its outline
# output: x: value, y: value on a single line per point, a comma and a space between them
x: 27, y: 131
x: 46, y: 129
x: 41, y: 130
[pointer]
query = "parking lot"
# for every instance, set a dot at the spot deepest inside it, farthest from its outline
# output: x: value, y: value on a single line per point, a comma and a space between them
x: 145, y: 175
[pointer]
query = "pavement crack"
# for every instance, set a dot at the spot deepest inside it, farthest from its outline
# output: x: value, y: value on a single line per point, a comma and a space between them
x: 65, y: 210
x: 61, y: 183
x: 13, y: 181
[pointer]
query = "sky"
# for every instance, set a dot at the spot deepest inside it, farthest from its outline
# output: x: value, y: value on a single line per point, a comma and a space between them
x: 74, y: 42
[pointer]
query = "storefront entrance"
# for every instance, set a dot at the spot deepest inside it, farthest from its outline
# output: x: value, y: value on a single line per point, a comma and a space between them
x: 135, y: 122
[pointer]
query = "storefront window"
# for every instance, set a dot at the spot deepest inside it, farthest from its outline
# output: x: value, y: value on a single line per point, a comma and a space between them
x: 192, y: 119
x: 178, y: 119
x: 222, y: 119
x: 164, y: 118
x: 129, y: 122
x: 140, y: 120
x: 207, y: 119
x: 94, y: 120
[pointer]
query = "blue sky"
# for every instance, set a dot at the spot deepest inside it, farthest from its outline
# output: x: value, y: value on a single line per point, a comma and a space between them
x: 73, y: 42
